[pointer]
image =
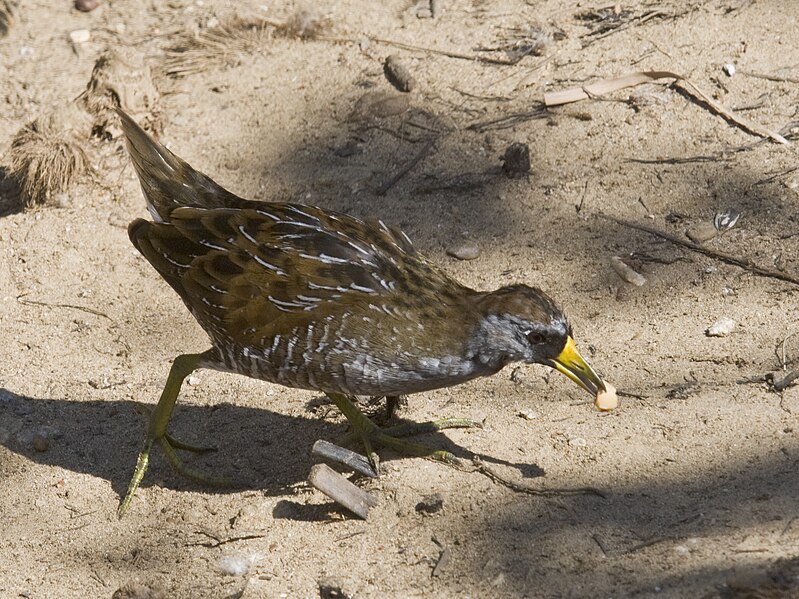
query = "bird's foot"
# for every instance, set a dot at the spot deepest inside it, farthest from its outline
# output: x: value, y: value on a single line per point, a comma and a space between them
x: 369, y: 433
x: 168, y: 445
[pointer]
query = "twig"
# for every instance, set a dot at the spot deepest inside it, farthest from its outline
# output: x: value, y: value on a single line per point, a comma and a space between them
x: 218, y: 542
x: 649, y: 543
x: 718, y: 255
x: 770, y: 77
x: 483, y: 468
x: 28, y: 302
x: 606, y: 86
x: 786, y: 381
x: 448, y: 53
x: 406, y: 169
x: 509, y: 120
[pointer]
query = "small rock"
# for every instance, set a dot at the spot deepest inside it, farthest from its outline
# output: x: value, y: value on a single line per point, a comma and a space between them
x: 237, y: 565
x: 528, y: 414
x: 702, y: 232
x: 80, y: 36
x: 40, y: 443
x: 430, y: 504
x: 349, y: 148
x: 193, y: 380
x: 721, y: 328
x: 465, y: 251
x: 86, y: 5
x: 379, y: 104
x: 729, y: 69
x: 578, y: 442
x: 682, y: 550
x: 516, y: 161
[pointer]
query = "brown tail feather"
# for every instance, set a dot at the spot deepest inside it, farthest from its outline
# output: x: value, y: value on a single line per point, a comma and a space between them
x: 167, y: 181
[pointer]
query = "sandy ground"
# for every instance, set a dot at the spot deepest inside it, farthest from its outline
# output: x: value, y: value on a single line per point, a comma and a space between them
x: 698, y: 469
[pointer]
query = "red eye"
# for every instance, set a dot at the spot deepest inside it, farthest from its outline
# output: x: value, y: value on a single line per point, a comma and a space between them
x: 536, y: 338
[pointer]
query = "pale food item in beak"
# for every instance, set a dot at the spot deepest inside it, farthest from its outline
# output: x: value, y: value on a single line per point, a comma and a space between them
x: 606, y: 399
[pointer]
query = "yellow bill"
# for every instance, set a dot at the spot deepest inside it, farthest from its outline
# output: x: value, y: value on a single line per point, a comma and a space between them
x: 572, y: 364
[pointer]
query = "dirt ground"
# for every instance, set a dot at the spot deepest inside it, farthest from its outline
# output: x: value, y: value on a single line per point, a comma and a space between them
x: 698, y: 469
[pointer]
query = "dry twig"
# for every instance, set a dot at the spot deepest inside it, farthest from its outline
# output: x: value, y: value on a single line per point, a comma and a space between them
x: 744, y: 263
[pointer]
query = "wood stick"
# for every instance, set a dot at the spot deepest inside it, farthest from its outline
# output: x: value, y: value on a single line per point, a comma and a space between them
x: 341, y: 455
x: 340, y: 490
x: 744, y: 263
x: 405, y: 169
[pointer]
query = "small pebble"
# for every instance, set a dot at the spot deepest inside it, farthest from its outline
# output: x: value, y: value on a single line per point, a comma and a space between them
x: 430, y: 504
x: 86, y: 5
x: 702, y: 232
x: 729, y: 69
x: 528, y: 414
x: 466, y: 251
x: 237, y: 565
x: 40, y: 443
x: 721, y: 328
x: 379, y: 104
x: 682, y: 550
x: 516, y: 161
x: 80, y: 36
x: 193, y: 380
x: 578, y: 442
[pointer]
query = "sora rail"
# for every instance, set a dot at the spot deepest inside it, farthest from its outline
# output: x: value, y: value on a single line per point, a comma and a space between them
x: 319, y: 300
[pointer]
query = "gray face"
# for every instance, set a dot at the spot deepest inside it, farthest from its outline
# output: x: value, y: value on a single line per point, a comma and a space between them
x: 520, y: 324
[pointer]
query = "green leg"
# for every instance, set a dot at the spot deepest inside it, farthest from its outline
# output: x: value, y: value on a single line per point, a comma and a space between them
x: 369, y: 432
x: 182, y: 367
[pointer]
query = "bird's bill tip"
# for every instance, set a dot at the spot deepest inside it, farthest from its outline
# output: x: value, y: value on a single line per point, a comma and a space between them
x: 574, y: 366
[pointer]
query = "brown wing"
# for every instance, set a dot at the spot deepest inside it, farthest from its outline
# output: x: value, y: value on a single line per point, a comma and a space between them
x: 249, y: 274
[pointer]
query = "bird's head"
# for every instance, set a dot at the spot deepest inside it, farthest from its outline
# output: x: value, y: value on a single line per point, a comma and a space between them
x: 522, y: 324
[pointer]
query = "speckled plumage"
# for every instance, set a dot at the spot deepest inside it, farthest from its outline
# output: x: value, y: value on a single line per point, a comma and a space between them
x: 315, y: 299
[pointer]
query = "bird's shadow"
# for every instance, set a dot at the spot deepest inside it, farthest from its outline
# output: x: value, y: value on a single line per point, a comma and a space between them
x: 257, y: 448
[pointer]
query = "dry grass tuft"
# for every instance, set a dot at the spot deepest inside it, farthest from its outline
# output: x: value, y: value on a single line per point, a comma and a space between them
x: 236, y: 37
x: 226, y: 43
x: 47, y: 155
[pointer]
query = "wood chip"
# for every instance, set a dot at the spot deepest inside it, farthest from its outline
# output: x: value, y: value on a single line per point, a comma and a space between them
x: 342, y: 455
x: 342, y: 491
x: 443, y: 560
x: 626, y: 273
x: 398, y: 75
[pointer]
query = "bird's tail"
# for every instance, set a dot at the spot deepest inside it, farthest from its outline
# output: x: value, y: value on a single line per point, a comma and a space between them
x: 167, y: 181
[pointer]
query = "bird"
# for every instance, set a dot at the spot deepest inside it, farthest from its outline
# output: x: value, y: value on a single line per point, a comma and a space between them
x: 315, y: 299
